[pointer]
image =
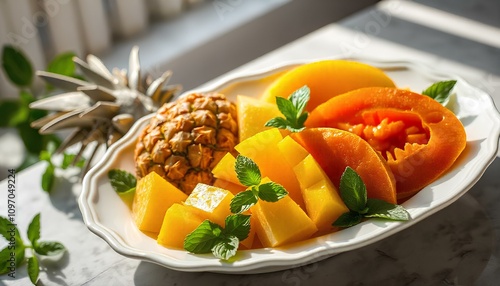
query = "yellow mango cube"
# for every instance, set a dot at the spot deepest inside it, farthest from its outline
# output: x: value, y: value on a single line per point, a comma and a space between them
x: 292, y: 151
x: 323, y: 202
x: 179, y: 221
x: 210, y: 202
x: 225, y: 169
x: 262, y: 148
x: 232, y: 187
x: 253, y: 114
x: 153, y: 196
x: 281, y: 222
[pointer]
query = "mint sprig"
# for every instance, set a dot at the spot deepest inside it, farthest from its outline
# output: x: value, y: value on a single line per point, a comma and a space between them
x: 440, y: 91
x: 248, y: 174
x: 223, y: 242
x: 210, y: 237
x: 293, y: 109
x: 121, y: 181
x: 353, y: 193
x: 17, y: 246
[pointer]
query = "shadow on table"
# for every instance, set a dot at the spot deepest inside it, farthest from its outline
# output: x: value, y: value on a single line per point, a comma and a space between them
x: 64, y: 195
x: 448, y: 248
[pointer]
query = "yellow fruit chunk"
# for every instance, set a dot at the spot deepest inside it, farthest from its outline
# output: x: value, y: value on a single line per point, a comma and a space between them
x: 326, y: 79
x: 323, y: 203
x: 281, y: 222
x: 230, y: 186
x: 179, y: 221
x: 292, y: 151
x: 253, y: 114
x: 225, y: 169
x: 263, y: 149
x: 210, y: 202
x: 153, y: 196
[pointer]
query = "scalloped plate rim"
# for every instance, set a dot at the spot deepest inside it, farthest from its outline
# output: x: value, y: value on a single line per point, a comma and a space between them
x: 280, y: 258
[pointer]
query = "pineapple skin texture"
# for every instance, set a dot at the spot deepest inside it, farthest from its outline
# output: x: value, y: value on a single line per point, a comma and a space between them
x: 186, y: 139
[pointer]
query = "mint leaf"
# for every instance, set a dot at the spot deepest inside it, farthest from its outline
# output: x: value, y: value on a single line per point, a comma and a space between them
x: 353, y: 191
x: 440, y: 91
x: 271, y: 192
x: 33, y: 269
x: 7, y: 229
x: 48, y: 178
x: 203, y: 238
x: 238, y: 225
x: 287, y: 108
x: 4, y: 260
x: 49, y: 248
x: 226, y: 248
x: 17, y: 67
x: 34, y: 230
x: 277, y: 122
x: 382, y: 209
x: 121, y: 180
x: 243, y: 201
x: 299, y: 99
x: 293, y: 109
x: 68, y: 161
x: 247, y: 171
x: 348, y: 219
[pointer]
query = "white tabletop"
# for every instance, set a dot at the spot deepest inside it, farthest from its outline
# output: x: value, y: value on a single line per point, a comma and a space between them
x: 90, y: 261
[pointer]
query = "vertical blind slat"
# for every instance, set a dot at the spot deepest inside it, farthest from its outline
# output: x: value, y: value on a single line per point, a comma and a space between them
x: 130, y: 17
x: 22, y: 31
x: 65, y: 30
x: 95, y: 29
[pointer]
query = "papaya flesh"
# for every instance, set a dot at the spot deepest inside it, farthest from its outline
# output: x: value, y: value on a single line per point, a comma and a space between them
x: 335, y: 149
x: 419, y: 138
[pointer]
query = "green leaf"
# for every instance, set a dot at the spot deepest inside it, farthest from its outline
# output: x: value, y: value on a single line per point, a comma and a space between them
x: 238, y: 225
x: 277, y: 122
x: 49, y: 248
x: 68, y: 161
x: 293, y: 109
x: 203, y: 238
x: 34, y: 230
x: 6, y: 256
x: 33, y: 141
x: 353, y: 191
x: 243, y: 201
x: 440, y: 91
x: 299, y: 99
x: 302, y: 119
x: 13, y: 113
x: 7, y: 228
x: 247, y: 171
x: 287, y: 109
x: 17, y: 67
x: 63, y: 64
x: 121, y: 180
x: 48, y: 178
x: 382, y: 209
x: 4, y: 260
x: 226, y: 248
x: 272, y: 192
x: 33, y: 269
x: 348, y: 219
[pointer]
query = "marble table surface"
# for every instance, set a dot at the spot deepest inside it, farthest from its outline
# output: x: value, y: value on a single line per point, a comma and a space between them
x: 458, y: 245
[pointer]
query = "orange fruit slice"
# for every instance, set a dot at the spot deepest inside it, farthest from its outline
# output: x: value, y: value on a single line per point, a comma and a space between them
x: 326, y: 79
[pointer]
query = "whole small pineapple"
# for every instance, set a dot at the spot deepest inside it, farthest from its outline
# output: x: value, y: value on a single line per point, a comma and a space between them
x: 187, y: 138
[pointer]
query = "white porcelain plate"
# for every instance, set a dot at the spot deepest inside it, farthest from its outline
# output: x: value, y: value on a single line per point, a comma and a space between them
x: 107, y: 216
